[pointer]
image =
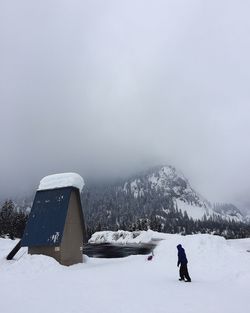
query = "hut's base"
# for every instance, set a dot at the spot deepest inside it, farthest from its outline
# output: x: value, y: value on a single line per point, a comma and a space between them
x: 58, y: 255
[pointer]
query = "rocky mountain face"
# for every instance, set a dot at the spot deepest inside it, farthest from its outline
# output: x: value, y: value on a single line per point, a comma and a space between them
x: 167, y: 181
x: 161, y: 198
x: 228, y: 210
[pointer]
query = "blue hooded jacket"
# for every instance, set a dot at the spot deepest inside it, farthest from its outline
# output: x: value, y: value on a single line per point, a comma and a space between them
x: 182, y: 259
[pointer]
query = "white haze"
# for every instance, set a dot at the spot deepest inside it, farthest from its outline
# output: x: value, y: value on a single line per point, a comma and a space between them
x: 106, y: 88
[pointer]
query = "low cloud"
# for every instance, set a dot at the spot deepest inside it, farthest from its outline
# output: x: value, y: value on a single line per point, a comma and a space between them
x: 106, y: 89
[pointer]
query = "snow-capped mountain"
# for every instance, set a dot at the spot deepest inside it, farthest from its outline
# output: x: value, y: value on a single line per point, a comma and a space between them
x: 168, y: 182
x: 161, y: 199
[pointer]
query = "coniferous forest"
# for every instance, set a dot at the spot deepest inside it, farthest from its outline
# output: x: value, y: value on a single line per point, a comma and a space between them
x: 12, y: 220
x: 147, y: 201
x: 112, y: 209
x: 117, y: 212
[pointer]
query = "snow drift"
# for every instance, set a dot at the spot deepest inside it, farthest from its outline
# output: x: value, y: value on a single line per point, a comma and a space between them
x: 219, y: 270
x: 125, y: 237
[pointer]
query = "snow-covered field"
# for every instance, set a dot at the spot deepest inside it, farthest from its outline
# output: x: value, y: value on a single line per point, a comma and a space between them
x: 220, y: 272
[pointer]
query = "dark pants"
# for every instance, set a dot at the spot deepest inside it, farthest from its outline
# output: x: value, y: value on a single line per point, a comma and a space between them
x: 184, y: 272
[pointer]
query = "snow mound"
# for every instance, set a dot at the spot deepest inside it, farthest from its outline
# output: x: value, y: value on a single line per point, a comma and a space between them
x: 61, y: 180
x: 219, y: 270
x: 126, y: 237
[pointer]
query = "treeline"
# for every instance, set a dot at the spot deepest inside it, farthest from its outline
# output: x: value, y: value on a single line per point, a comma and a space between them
x: 181, y: 224
x: 140, y: 203
x: 119, y: 211
x: 12, y: 220
x: 111, y: 208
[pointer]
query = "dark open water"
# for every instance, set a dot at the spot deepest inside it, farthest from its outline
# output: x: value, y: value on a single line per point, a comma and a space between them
x: 107, y: 250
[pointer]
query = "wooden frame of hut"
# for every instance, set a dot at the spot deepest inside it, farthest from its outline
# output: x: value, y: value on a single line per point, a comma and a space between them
x: 56, y: 225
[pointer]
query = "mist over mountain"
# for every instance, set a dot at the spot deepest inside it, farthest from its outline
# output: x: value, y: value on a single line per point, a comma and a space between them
x: 163, y: 182
x: 107, y: 88
x: 160, y: 198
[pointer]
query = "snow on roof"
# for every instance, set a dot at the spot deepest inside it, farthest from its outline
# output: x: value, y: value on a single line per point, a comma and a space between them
x: 61, y: 180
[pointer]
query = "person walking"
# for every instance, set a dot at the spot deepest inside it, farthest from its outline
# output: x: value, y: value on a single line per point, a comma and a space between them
x: 182, y: 261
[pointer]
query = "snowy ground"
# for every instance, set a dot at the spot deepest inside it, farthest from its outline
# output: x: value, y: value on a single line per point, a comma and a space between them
x: 220, y: 272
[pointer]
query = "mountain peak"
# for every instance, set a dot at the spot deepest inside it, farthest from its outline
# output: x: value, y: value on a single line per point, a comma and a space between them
x: 164, y: 179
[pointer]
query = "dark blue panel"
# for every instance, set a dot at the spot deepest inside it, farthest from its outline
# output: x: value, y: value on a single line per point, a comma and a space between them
x: 47, y: 218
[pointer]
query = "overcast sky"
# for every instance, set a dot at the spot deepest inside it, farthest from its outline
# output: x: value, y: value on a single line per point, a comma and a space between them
x: 106, y: 88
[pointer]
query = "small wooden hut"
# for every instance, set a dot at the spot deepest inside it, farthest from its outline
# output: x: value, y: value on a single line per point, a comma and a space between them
x: 56, y: 225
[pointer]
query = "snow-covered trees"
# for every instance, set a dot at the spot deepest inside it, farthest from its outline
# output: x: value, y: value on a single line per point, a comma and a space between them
x: 12, y: 220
